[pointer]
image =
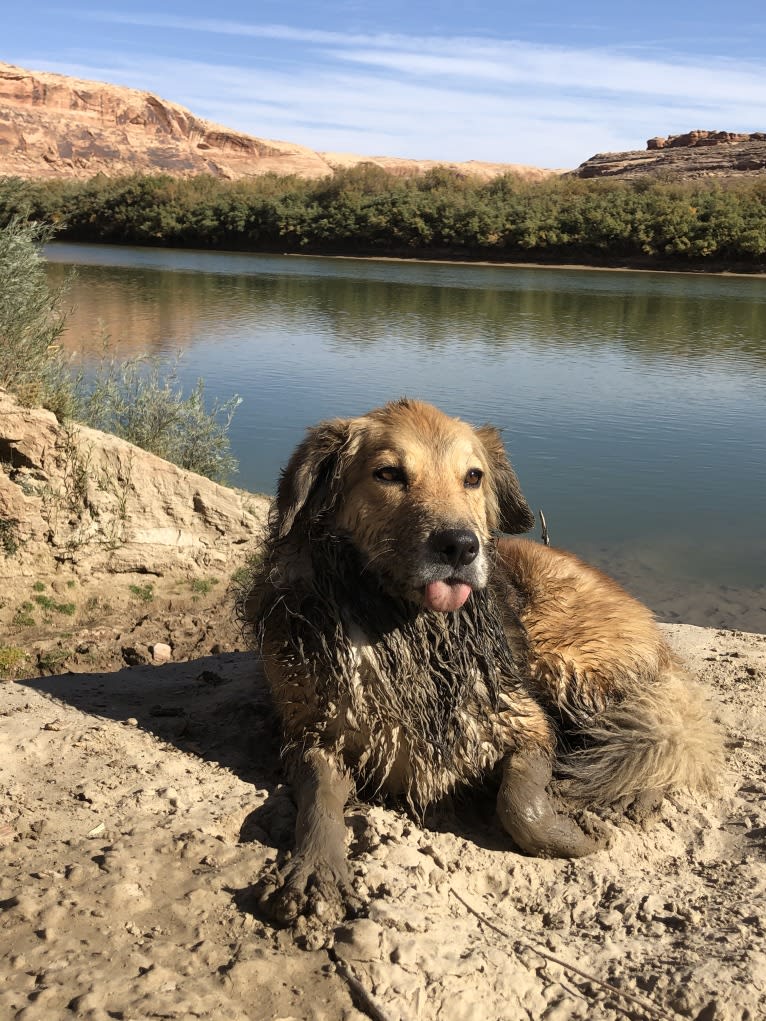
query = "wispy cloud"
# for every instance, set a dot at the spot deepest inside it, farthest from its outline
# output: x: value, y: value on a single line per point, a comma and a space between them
x: 503, y: 61
x: 439, y: 97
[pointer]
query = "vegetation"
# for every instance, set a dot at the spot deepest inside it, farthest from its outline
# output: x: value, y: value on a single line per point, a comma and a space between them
x: 143, y: 593
x: 31, y: 320
x: 366, y: 210
x: 140, y: 400
x: 23, y: 616
x: 12, y: 659
x: 9, y: 536
x: 202, y: 586
x: 50, y: 605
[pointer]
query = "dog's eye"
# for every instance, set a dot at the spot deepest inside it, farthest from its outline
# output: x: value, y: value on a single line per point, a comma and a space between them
x: 390, y: 474
x: 473, y: 478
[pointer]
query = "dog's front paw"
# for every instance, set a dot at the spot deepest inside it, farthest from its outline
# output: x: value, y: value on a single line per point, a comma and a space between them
x: 310, y: 897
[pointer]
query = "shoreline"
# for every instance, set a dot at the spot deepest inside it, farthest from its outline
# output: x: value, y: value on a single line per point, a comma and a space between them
x: 621, y: 267
x: 502, y: 264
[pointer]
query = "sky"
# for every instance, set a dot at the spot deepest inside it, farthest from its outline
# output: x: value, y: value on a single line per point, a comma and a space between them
x: 518, y: 81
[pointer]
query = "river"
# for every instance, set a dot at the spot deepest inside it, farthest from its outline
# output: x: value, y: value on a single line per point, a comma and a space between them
x: 633, y: 404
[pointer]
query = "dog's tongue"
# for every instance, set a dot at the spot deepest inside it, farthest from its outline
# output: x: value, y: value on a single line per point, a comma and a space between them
x: 442, y: 596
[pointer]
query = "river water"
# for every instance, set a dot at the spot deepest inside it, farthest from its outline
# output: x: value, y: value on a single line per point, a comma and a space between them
x: 633, y: 404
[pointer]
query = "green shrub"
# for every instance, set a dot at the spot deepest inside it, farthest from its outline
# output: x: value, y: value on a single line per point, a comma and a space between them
x: 366, y: 210
x: 32, y: 317
x: 143, y: 593
x: 203, y: 586
x: 11, y: 660
x: 23, y: 616
x: 9, y: 536
x: 142, y: 401
x: 50, y: 604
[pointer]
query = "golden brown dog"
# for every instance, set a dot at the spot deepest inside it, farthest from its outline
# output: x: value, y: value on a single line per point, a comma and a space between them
x: 411, y: 651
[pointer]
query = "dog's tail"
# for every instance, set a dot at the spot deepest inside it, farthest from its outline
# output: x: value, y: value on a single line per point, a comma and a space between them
x: 658, y: 738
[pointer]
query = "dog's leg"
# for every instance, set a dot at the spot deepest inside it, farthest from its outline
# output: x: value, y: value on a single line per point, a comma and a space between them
x: 316, y: 883
x: 527, y: 814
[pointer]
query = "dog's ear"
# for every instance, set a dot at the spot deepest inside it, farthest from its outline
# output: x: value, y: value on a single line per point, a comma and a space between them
x: 512, y: 513
x: 309, y: 482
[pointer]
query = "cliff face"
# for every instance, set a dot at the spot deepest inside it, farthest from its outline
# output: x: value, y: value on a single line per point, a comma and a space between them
x: 694, y: 154
x: 55, y: 126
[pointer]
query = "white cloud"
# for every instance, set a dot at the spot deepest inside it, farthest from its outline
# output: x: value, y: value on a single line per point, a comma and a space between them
x: 505, y: 61
x: 442, y: 98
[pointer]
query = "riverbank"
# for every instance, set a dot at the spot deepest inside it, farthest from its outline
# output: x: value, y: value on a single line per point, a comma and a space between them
x: 622, y: 266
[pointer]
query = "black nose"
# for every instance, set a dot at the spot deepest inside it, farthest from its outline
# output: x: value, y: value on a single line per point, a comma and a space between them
x: 455, y: 546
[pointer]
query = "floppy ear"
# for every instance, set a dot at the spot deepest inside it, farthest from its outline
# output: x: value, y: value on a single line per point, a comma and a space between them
x: 512, y: 512
x: 309, y: 482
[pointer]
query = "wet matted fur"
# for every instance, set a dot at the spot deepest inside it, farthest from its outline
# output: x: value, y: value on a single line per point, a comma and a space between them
x: 410, y: 650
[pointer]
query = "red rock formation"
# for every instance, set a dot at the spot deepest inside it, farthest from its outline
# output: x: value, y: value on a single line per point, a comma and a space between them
x: 704, y: 138
x: 55, y: 126
x: 694, y: 154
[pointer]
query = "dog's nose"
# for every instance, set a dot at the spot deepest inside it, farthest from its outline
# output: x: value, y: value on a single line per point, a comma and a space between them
x: 455, y: 546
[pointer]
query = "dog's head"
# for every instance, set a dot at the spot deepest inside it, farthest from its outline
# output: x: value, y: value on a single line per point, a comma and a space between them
x: 417, y: 493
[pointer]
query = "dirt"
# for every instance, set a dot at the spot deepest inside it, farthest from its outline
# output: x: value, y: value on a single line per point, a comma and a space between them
x: 140, y: 803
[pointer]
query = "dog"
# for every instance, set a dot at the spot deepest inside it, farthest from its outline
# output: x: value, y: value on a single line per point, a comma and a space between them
x: 413, y: 647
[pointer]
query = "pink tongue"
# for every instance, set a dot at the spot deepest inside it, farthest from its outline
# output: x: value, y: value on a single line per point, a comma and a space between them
x: 444, y: 597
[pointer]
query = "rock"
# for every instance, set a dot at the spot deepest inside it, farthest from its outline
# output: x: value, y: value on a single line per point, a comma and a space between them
x: 135, y: 655
x: 694, y: 154
x: 610, y: 919
x: 135, y: 513
x: 127, y: 545
x: 54, y: 126
x: 161, y: 652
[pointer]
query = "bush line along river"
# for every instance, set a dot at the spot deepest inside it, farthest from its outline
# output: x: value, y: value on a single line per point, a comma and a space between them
x: 718, y: 224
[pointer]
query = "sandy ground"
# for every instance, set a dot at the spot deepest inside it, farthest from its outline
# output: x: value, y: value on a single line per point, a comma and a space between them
x: 139, y: 805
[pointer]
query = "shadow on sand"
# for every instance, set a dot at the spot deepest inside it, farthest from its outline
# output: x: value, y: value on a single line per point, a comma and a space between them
x: 219, y: 708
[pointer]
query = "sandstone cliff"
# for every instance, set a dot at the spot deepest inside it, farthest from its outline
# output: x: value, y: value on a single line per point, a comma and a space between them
x: 694, y: 154
x: 52, y: 125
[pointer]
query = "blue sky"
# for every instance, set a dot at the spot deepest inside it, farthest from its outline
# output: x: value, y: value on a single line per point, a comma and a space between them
x: 514, y: 81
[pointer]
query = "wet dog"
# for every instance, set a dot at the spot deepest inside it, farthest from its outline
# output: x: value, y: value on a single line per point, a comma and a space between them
x: 411, y: 651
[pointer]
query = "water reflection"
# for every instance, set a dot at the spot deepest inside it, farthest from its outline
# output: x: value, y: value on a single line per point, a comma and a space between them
x: 691, y: 317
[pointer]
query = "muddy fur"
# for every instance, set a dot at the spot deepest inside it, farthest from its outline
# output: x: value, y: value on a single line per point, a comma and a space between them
x: 415, y: 702
x: 544, y: 665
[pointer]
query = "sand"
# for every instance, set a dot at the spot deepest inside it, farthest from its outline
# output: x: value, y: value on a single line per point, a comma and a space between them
x: 139, y: 805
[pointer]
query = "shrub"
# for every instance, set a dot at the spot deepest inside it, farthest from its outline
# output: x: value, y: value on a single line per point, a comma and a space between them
x: 32, y: 318
x: 12, y: 658
x: 142, y: 401
x: 365, y: 209
x: 9, y: 536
